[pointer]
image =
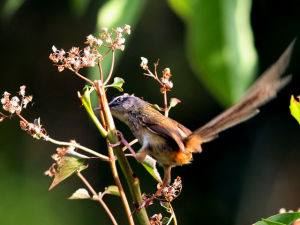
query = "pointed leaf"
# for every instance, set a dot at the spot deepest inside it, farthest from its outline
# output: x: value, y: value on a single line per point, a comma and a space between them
x: 295, y: 108
x: 150, y: 165
x: 67, y: 166
x: 118, y: 83
x: 113, y: 190
x: 157, y: 107
x: 166, y: 205
x: 174, y: 102
x: 86, y: 98
x: 86, y: 101
x: 280, y: 219
x: 81, y: 193
x: 165, y: 220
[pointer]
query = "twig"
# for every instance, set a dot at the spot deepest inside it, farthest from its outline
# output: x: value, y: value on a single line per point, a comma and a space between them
x: 131, y: 179
x: 105, y: 120
x: 111, y: 68
x: 81, y: 76
x: 99, y: 199
x: 100, y: 156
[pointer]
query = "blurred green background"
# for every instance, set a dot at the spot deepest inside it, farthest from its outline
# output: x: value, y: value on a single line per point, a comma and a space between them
x: 214, y: 49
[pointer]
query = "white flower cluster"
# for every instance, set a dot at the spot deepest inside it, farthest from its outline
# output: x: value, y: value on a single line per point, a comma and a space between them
x: 15, y: 104
x: 76, y: 59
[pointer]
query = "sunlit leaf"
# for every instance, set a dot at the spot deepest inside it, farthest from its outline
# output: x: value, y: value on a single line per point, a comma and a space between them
x: 280, y: 219
x: 150, y: 165
x: 166, y: 205
x: 295, y: 108
x: 113, y: 190
x: 220, y: 46
x: 174, y: 102
x: 118, y: 83
x: 81, y: 193
x: 86, y: 101
x: 165, y: 220
x: 68, y: 165
x: 272, y: 223
x: 157, y: 107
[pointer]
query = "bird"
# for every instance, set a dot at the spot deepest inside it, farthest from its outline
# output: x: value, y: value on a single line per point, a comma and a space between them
x: 171, y: 143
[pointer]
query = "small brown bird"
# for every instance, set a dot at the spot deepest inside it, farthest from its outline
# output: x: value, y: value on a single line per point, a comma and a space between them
x: 171, y: 143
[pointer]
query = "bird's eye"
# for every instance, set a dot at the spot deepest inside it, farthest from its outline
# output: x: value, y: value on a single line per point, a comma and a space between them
x: 118, y: 100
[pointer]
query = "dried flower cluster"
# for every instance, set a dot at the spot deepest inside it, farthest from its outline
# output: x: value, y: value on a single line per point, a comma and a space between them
x: 34, y: 129
x: 172, y: 191
x: 75, y: 59
x: 156, y: 219
x: 144, y: 63
x: 14, y: 105
x: 115, y: 38
x: 164, y: 81
x: 61, y: 152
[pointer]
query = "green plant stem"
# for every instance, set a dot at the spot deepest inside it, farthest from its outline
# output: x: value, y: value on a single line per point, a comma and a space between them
x: 86, y: 101
x: 173, y: 215
x: 132, y: 180
x: 113, y: 220
x: 103, y: 157
x: 111, y: 68
x: 112, y: 162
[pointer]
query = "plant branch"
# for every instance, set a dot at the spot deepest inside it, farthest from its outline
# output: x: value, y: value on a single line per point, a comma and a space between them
x: 81, y: 76
x: 111, y: 68
x: 132, y: 180
x: 99, y: 199
x: 103, y: 157
x: 100, y: 69
x: 101, y: 94
x: 166, y: 104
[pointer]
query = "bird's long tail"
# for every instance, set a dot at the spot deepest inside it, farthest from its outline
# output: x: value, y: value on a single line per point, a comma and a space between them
x: 264, y: 89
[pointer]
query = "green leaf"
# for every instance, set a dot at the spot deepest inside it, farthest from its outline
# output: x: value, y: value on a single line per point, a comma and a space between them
x: 150, y: 165
x: 174, y: 102
x: 166, y: 205
x: 68, y: 165
x: 280, y: 219
x: 165, y: 220
x: 118, y: 83
x: 157, y: 107
x: 295, y: 108
x: 86, y: 101
x: 272, y: 223
x: 81, y: 193
x: 220, y: 46
x: 113, y: 190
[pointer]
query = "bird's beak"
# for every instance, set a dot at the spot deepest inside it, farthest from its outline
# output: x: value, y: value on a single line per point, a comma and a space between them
x: 111, y: 104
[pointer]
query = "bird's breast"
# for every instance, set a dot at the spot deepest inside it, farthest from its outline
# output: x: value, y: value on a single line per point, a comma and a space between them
x: 165, y: 151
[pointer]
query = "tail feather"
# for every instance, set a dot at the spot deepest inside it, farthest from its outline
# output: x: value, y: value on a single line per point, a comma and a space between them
x: 262, y: 91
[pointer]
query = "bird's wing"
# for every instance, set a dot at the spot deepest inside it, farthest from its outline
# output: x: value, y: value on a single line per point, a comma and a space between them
x: 166, y: 128
x: 264, y: 89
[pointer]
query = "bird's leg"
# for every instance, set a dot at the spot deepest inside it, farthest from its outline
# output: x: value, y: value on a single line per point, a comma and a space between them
x: 166, y: 181
x: 141, y: 154
x: 124, y: 142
